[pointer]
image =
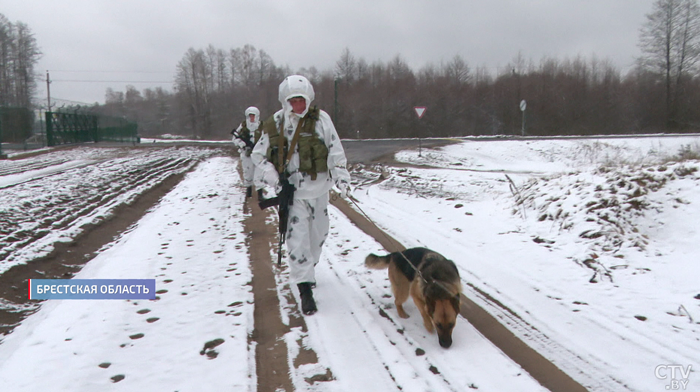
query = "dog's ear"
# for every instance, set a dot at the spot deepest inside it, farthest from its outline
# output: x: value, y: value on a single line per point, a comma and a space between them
x: 455, y: 302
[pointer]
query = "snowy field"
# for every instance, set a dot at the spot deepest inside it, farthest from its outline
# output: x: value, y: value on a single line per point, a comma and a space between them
x: 592, y: 243
x: 585, y: 249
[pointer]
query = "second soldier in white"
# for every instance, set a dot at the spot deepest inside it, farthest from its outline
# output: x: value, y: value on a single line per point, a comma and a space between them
x: 243, y: 138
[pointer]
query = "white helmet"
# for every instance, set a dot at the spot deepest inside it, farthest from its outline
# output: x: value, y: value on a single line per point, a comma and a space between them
x: 248, y: 112
x: 296, y: 86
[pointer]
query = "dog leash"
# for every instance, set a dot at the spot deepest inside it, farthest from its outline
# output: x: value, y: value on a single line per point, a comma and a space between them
x: 352, y: 199
x: 418, y: 272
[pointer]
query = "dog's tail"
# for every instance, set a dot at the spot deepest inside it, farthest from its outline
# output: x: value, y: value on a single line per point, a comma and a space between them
x: 373, y: 261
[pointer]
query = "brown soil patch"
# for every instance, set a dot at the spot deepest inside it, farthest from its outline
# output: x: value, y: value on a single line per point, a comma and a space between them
x: 271, y: 350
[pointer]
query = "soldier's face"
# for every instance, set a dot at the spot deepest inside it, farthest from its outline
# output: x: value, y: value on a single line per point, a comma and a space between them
x: 298, y: 104
x: 251, y: 117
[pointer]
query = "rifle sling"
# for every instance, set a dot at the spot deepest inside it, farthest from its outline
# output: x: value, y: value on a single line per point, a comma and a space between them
x: 284, y: 161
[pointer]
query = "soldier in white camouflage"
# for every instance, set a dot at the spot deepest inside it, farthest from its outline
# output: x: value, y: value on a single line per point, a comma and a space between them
x: 244, y: 139
x: 316, y: 163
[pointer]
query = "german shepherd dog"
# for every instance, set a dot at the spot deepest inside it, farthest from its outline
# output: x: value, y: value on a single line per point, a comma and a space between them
x: 435, y: 290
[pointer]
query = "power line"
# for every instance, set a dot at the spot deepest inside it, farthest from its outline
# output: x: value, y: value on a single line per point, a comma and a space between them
x: 108, y: 71
x: 110, y: 81
x: 43, y: 79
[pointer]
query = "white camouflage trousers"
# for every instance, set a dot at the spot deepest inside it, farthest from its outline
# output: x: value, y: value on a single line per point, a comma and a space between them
x: 306, y: 232
x: 248, y: 169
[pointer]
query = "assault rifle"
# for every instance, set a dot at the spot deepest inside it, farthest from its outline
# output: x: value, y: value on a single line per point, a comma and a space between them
x: 247, y: 141
x: 283, y: 200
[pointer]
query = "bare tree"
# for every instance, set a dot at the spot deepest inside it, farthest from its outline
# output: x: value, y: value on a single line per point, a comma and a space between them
x: 217, y: 59
x: 19, y: 53
x: 670, y: 43
x: 192, y: 79
x: 346, y: 67
x: 6, y: 43
x: 248, y: 55
x: 457, y: 70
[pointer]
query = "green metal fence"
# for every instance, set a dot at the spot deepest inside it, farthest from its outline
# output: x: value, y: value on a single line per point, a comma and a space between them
x: 68, y: 128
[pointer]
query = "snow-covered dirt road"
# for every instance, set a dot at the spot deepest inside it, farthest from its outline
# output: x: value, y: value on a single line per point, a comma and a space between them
x: 593, y: 268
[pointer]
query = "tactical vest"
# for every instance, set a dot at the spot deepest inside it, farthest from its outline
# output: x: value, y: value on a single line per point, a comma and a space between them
x: 313, y: 153
x: 244, y: 134
x: 257, y: 133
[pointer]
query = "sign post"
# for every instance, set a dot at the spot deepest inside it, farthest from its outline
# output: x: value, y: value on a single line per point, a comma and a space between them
x: 420, y: 111
x: 523, y: 106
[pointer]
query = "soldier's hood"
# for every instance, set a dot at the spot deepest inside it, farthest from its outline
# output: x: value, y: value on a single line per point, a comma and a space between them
x: 248, y: 112
x: 296, y: 86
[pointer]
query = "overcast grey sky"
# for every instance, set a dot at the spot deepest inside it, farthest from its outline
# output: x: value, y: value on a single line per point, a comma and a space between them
x: 130, y: 41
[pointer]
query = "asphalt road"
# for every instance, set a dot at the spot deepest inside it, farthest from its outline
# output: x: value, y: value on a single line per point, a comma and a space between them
x: 381, y: 150
x: 370, y: 151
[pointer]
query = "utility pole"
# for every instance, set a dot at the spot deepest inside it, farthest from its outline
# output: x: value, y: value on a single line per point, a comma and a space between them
x: 335, y: 103
x: 48, y: 90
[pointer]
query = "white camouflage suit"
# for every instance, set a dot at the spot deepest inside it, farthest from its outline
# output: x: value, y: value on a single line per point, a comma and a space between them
x: 308, y: 215
x: 243, y: 149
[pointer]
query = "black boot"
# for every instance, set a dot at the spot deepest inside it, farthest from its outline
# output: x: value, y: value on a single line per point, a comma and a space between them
x: 260, y: 194
x: 249, y: 192
x: 308, y: 305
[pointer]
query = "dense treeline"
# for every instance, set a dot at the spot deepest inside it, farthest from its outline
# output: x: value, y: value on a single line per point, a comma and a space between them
x: 564, y: 97
x: 19, y: 54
